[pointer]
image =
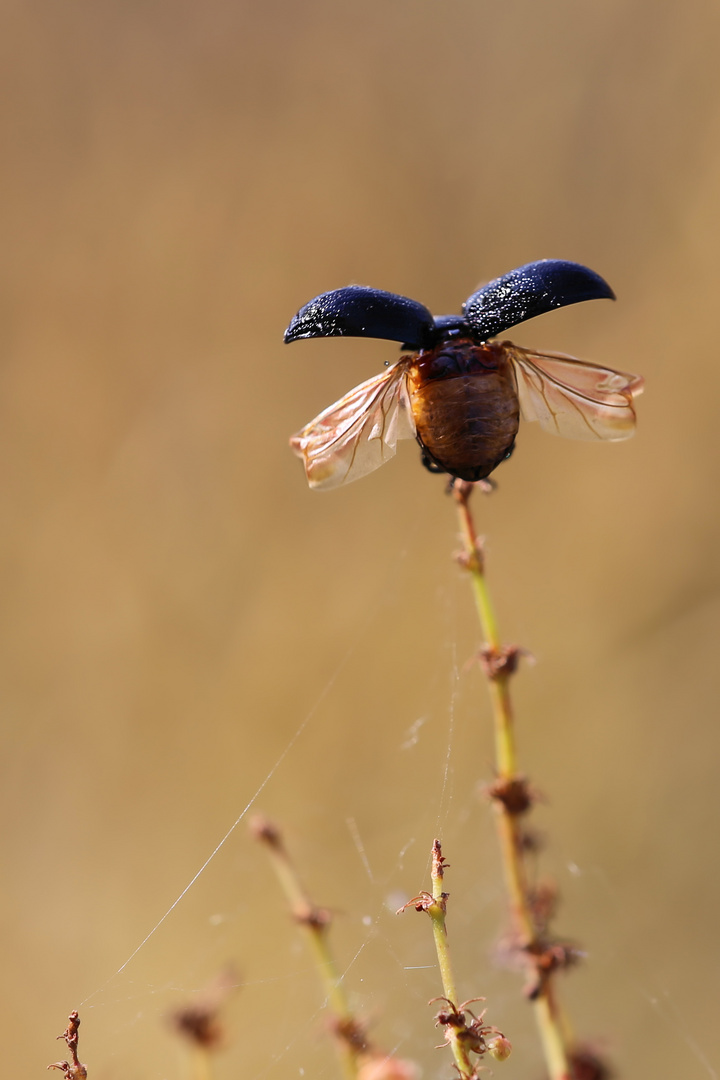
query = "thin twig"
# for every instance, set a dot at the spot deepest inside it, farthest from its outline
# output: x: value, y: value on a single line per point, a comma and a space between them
x: 359, y: 1057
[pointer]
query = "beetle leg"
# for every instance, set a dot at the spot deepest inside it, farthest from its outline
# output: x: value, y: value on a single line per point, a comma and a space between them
x: 430, y: 464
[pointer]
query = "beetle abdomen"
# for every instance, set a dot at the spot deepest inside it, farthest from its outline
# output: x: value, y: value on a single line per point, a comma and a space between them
x: 465, y: 405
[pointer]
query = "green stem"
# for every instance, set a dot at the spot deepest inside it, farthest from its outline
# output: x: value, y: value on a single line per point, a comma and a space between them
x: 201, y: 1064
x: 546, y: 1011
x: 436, y: 911
x: 437, y: 914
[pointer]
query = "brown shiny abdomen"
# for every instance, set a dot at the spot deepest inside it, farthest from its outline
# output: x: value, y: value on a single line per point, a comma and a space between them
x: 465, y: 406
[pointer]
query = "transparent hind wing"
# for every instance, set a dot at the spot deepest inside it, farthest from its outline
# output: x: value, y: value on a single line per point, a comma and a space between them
x: 573, y: 398
x: 358, y: 433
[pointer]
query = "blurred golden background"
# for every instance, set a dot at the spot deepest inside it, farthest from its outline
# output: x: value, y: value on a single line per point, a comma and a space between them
x: 183, y: 622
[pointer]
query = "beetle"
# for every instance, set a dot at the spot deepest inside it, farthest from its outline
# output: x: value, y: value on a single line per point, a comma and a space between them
x: 459, y: 392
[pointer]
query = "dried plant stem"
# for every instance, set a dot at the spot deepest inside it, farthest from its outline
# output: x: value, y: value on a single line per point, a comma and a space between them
x: 499, y: 664
x: 350, y: 1040
x: 73, y: 1069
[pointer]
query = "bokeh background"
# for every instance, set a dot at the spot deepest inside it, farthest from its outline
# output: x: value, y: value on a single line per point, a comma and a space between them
x: 183, y: 623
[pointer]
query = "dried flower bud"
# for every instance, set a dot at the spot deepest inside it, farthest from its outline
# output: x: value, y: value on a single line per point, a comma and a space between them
x: 499, y: 1048
x: 199, y: 1021
x: 261, y: 828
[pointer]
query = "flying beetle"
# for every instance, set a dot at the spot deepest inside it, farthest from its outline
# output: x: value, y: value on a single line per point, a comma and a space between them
x: 459, y: 392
